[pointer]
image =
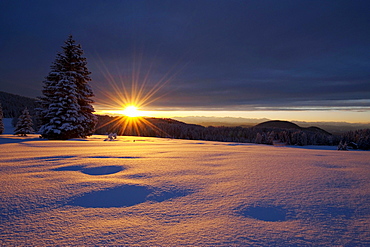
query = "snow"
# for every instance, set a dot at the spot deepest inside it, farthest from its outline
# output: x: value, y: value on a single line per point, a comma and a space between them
x: 313, y: 147
x: 138, y: 191
x: 8, y: 127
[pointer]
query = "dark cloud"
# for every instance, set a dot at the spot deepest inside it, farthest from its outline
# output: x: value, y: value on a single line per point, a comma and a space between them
x: 222, y: 54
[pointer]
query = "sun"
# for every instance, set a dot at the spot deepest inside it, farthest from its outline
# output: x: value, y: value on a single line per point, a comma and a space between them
x: 131, y: 111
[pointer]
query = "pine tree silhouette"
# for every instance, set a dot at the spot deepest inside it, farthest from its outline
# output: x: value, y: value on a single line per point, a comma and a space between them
x: 66, y: 105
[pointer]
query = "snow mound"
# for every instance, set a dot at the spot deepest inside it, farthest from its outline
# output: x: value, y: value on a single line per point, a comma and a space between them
x: 125, y: 196
x: 333, y: 212
x: 265, y: 213
x: 110, y: 157
x: 100, y: 170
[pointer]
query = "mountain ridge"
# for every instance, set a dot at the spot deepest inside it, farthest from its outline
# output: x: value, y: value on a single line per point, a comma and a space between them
x: 280, y: 124
x: 14, y: 104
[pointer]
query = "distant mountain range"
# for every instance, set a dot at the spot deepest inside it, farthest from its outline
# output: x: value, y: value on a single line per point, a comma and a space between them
x: 13, y: 105
x: 332, y: 127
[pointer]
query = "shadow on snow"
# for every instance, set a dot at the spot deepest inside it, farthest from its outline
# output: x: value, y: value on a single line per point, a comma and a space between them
x: 125, y: 196
x: 100, y: 170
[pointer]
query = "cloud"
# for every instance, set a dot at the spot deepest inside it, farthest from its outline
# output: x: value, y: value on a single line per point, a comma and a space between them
x: 217, y: 54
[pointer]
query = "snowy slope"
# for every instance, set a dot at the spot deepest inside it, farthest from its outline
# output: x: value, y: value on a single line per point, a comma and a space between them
x: 162, y: 192
x: 8, y: 127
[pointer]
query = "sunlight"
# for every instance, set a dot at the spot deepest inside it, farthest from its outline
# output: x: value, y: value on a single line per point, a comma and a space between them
x: 127, y: 94
x: 132, y: 111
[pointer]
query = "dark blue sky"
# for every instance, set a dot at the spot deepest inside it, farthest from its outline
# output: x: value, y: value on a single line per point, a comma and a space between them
x: 230, y: 55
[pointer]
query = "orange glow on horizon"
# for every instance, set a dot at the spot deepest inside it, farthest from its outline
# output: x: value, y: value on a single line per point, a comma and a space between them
x: 131, y: 126
x: 307, y: 116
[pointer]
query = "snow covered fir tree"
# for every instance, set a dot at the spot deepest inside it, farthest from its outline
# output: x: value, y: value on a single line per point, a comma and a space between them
x: 24, y: 124
x: 66, y: 110
x: 1, y: 120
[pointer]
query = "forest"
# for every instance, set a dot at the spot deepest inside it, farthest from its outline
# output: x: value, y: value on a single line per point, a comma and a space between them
x: 169, y: 128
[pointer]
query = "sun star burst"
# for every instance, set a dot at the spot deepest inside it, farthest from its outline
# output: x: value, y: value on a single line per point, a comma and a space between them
x: 131, y: 111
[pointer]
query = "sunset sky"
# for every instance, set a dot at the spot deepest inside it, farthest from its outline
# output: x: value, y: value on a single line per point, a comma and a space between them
x: 290, y: 60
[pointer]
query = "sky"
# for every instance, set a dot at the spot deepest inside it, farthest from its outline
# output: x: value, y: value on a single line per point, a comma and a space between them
x: 289, y: 60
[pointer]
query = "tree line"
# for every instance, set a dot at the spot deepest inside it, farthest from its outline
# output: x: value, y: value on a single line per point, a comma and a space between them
x: 169, y: 128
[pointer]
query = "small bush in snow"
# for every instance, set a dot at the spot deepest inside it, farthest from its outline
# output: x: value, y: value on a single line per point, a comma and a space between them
x: 342, y: 146
x: 111, y: 137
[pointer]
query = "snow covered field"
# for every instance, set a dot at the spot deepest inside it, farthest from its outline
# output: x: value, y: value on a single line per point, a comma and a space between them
x: 162, y: 192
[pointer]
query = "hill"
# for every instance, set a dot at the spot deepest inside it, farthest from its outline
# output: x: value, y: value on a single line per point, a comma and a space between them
x: 278, y: 124
x: 332, y: 127
x: 317, y: 129
x: 14, y: 104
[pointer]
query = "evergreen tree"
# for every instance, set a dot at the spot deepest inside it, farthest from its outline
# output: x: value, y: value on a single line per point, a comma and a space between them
x: 258, y: 138
x: 24, y: 124
x: 1, y: 120
x: 70, y: 114
x: 64, y: 113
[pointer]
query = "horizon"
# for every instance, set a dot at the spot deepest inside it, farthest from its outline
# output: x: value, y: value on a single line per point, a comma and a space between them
x: 233, y: 116
x: 303, y: 116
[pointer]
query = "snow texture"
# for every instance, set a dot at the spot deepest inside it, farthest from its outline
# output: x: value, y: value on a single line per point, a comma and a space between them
x: 1, y: 120
x: 140, y: 191
x: 8, y: 127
